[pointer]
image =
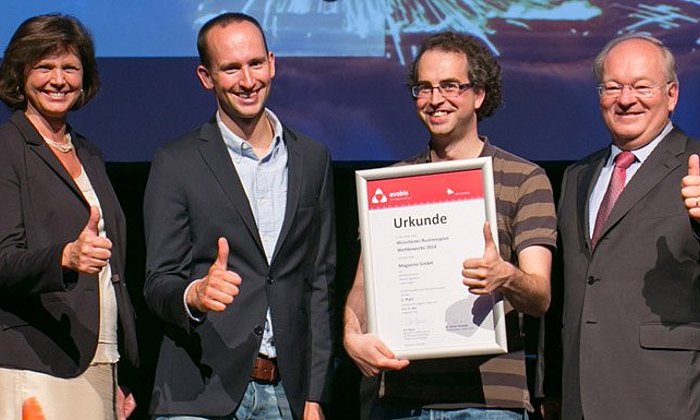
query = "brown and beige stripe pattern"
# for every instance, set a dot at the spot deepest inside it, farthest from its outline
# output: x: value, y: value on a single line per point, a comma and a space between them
x: 526, y: 217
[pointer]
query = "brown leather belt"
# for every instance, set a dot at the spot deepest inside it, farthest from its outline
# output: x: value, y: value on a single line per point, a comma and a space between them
x: 265, y: 370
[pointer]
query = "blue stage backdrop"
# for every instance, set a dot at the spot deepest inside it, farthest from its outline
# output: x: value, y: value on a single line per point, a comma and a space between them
x: 341, y: 68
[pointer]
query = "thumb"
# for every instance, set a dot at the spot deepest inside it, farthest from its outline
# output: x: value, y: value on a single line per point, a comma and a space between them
x: 489, y: 244
x: 694, y: 165
x: 222, y: 254
x: 93, y: 222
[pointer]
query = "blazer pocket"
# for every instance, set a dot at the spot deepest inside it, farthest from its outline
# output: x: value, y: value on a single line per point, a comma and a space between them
x: 9, y: 321
x: 308, y: 201
x: 48, y: 298
x: 669, y: 336
x: 11, y: 325
x: 651, y: 213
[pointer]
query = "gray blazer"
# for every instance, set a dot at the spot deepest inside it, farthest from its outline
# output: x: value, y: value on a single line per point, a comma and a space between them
x: 193, y: 197
x: 631, y: 323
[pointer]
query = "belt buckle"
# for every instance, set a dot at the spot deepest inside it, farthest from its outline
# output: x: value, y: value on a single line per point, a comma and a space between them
x: 265, y: 370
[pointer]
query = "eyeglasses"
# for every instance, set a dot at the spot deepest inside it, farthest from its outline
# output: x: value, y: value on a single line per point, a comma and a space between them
x: 446, y: 89
x: 640, y: 90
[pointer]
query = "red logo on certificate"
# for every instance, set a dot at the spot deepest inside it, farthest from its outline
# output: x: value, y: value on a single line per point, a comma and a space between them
x: 425, y: 189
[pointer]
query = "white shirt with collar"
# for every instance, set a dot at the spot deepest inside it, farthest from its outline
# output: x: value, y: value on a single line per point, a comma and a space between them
x: 601, y: 184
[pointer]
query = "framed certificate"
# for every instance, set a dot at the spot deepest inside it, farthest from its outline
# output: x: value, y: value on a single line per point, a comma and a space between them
x: 418, y: 223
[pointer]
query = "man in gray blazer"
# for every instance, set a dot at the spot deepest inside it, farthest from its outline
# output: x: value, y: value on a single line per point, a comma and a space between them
x: 631, y: 325
x: 241, y: 249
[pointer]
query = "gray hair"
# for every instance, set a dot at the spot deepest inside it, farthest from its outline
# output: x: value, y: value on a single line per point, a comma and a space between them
x: 669, y: 60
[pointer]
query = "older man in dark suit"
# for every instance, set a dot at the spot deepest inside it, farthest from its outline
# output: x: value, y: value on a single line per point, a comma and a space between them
x: 631, y: 327
x: 241, y: 249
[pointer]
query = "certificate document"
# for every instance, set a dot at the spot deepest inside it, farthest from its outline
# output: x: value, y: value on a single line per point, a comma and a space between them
x: 418, y: 223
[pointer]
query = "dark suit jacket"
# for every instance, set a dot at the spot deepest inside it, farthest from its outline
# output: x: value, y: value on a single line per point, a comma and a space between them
x: 193, y: 197
x: 631, y: 324
x: 49, y: 318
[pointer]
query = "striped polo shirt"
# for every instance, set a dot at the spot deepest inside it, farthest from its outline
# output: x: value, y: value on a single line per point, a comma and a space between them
x: 525, y: 211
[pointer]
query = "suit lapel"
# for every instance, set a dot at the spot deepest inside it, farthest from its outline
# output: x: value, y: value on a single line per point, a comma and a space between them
x: 295, y: 169
x: 214, y: 153
x: 584, y: 189
x: 92, y: 165
x: 660, y: 163
x: 37, y: 146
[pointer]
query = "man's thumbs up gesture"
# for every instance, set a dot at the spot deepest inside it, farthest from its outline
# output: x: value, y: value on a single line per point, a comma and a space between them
x: 484, y: 275
x: 218, y: 288
x: 690, y: 188
x: 90, y: 252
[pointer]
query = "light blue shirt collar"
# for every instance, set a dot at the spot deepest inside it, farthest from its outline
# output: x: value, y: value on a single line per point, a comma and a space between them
x: 240, y: 148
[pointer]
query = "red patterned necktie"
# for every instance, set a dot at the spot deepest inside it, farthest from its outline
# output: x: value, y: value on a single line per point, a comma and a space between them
x: 617, y: 184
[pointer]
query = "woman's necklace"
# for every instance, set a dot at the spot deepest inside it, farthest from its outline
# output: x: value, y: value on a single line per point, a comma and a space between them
x: 62, y: 147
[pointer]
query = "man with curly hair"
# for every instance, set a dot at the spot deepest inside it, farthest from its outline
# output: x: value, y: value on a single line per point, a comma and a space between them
x: 456, y: 82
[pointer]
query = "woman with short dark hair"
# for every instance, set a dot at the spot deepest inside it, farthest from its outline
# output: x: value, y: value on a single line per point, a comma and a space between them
x: 63, y: 301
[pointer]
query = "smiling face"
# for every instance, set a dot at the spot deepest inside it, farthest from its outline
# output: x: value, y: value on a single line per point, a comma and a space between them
x: 240, y: 73
x: 447, y: 119
x: 52, y: 86
x: 633, y: 121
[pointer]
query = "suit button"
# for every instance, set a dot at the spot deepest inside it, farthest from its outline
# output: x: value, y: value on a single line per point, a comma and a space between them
x: 270, y: 280
x: 258, y: 330
x: 592, y: 280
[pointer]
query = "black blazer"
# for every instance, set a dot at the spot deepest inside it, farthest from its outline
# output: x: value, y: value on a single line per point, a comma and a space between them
x: 631, y: 325
x: 49, y: 318
x: 193, y: 197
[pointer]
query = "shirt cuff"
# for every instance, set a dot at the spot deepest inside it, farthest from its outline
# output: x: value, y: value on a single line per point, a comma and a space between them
x: 190, y: 315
